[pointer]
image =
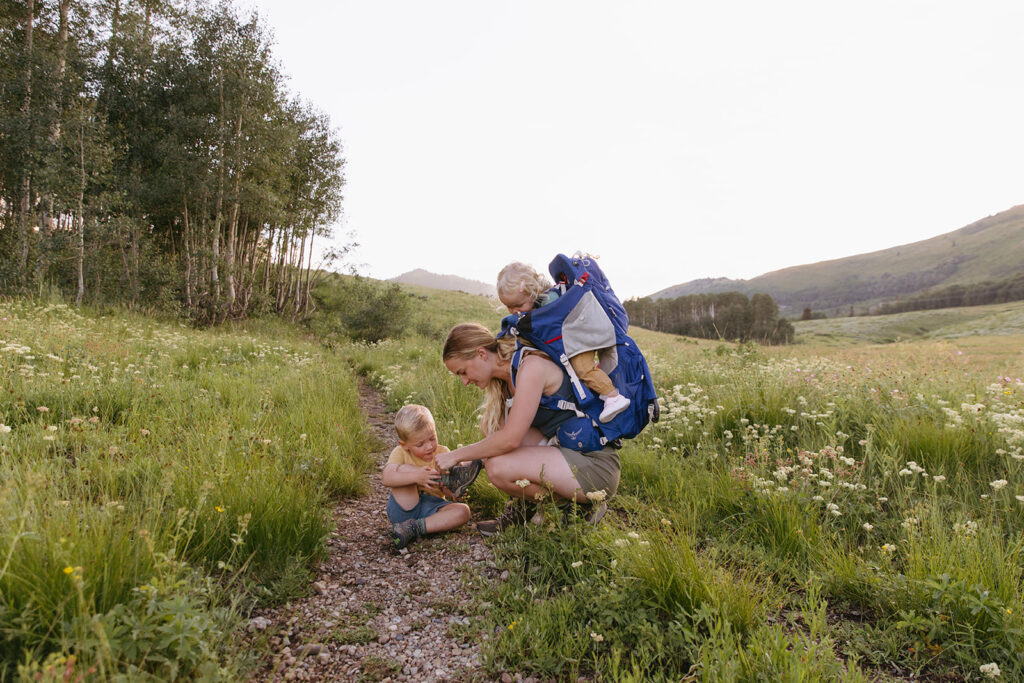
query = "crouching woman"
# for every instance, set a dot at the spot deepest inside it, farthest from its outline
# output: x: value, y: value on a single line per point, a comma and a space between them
x: 517, y: 428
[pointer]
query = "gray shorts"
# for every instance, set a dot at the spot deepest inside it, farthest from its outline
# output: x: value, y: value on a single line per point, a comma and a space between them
x: 594, y: 470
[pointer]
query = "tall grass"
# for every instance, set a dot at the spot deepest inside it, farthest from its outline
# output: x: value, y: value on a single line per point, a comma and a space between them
x: 802, y: 513
x: 155, y: 470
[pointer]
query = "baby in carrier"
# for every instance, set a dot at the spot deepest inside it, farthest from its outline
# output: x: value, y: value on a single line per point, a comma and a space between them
x: 522, y: 289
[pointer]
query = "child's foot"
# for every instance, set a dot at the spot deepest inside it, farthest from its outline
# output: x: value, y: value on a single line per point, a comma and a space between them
x: 404, y: 533
x: 458, y: 479
x: 613, y: 405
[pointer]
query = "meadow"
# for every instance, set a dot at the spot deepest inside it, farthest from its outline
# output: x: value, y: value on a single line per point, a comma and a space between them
x: 824, y: 511
x: 158, y: 483
x: 813, y: 512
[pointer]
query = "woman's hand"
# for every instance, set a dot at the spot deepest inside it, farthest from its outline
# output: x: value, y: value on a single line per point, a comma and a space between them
x: 446, y: 461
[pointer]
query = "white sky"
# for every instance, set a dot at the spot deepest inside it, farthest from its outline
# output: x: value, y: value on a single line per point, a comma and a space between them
x: 676, y: 139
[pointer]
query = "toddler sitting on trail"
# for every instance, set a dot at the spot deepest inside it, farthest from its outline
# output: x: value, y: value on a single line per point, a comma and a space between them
x: 522, y: 289
x: 416, y: 506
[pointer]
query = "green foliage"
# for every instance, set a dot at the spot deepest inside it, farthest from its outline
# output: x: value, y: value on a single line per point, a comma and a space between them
x: 361, y: 309
x: 153, y: 158
x: 729, y: 315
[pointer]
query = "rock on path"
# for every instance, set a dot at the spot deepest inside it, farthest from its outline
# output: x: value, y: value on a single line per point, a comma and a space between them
x: 374, y: 614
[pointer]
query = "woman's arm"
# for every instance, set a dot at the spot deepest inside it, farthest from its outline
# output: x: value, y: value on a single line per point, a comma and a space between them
x: 535, y: 374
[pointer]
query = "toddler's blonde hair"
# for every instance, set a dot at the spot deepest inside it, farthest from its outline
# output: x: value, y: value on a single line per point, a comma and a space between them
x: 411, y: 419
x: 519, y: 278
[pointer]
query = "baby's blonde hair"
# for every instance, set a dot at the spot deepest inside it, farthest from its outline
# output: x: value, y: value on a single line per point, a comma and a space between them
x: 519, y: 278
x: 411, y: 419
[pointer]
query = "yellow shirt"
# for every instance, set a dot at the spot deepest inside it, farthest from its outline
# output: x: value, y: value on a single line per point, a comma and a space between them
x: 400, y: 456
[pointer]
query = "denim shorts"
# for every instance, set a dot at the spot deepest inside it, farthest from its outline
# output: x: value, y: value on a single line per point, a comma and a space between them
x: 425, y: 506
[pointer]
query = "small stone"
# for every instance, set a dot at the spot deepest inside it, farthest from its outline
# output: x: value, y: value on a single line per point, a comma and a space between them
x: 289, y: 675
x: 258, y: 624
x: 310, y: 649
x: 506, y: 678
x: 504, y: 575
x: 320, y: 587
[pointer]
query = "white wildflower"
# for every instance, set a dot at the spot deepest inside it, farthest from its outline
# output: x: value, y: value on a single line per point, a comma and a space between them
x: 998, y: 484
x: 990, y: 670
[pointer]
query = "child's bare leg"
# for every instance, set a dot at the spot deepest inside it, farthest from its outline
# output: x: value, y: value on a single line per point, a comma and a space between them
x: 449, y: 517
x: 406, y: 496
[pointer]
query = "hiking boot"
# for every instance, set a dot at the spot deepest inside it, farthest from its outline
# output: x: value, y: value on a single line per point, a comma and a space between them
x: 516, y: 513
x: 458, y: 479
x: 613, y: 405
x: 591, y: 512
x: 404, y: 533
x: 596, y: 512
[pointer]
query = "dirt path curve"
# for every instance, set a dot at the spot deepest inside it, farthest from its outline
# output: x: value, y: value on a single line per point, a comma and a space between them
x: 376, y: 614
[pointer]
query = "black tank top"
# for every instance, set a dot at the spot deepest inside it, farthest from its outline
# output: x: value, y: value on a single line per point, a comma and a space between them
x: 547, y: 419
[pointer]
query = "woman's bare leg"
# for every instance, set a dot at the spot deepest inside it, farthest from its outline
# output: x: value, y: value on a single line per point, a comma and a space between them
x: 543, y: 466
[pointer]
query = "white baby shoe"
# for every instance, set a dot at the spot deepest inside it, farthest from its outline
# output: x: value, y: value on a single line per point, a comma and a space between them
x: 613, y: 405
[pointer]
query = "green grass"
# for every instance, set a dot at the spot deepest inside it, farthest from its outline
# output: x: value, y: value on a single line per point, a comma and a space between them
x: 153, y: 469
x: 804, y: 513
x: 954, y: 324
x: 834, y: 510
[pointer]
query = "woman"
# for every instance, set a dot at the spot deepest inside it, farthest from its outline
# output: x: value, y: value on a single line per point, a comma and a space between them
x: 511, y: 449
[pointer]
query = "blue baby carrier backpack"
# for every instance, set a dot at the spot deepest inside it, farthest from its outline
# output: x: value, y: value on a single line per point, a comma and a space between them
x: 587, y: 316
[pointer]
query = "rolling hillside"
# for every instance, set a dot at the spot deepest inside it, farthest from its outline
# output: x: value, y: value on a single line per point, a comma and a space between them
x: 425, y: 278
x: 989, y: 249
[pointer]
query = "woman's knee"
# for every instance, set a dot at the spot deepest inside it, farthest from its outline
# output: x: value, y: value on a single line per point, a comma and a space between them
x: 496, y: 468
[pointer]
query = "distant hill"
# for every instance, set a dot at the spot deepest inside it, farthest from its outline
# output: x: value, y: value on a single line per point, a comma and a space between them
x: 987, y: 250
x: 455, y: 283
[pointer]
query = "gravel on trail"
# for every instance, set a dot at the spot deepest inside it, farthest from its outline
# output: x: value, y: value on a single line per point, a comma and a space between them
x: 374, y: 613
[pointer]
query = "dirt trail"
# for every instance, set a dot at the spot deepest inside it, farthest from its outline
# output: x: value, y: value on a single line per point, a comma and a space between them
x: 376, y: 614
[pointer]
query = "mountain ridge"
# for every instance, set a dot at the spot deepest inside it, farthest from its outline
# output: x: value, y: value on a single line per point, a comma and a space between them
x: 987, y: 249
x: 425, y: 278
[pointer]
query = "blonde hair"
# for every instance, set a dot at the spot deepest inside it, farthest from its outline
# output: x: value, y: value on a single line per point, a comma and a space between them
x: 520, y: 278
x: 411, y: 419
x: 462, y: 342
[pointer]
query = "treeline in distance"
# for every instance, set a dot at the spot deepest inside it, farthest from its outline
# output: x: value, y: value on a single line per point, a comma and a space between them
x: 151, y: 155
x: 953, y: 296
x: 728, y: 315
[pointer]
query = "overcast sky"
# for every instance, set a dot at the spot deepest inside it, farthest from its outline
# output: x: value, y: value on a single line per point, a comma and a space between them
x: 676, y: 139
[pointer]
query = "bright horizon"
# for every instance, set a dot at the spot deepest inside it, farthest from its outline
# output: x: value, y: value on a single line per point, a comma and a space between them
x: 678, y: 142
